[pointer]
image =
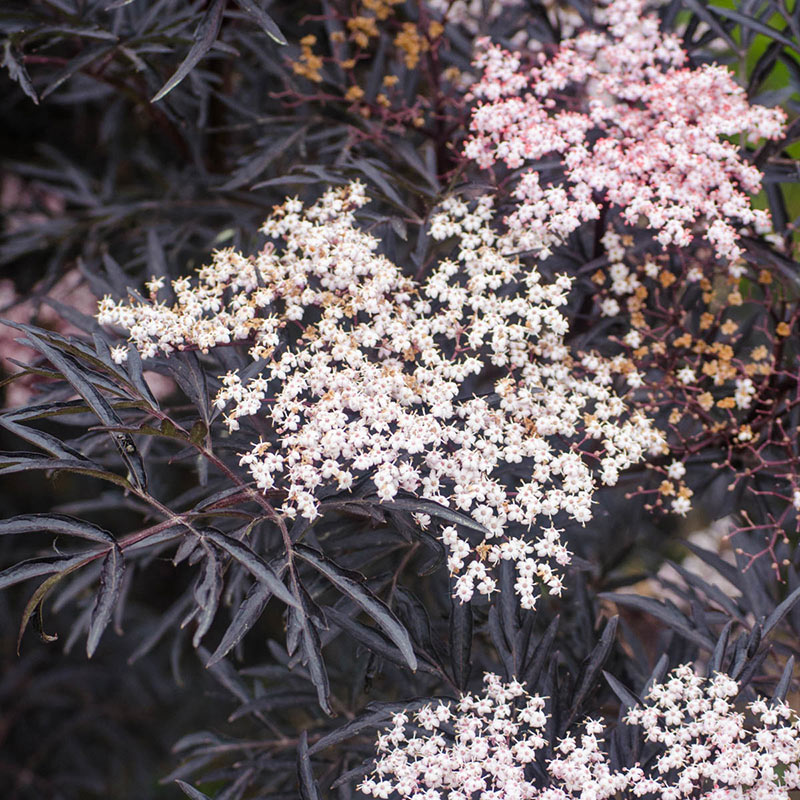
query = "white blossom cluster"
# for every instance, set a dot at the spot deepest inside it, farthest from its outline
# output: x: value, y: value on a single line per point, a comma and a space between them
x: 495, y: 735
x: 709, y: 747
x: 366, y: 371
x: 480, y: 746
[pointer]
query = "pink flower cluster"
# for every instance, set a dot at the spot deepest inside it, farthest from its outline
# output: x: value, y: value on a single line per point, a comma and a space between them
x: 708, y: 749
x: 633, y: 127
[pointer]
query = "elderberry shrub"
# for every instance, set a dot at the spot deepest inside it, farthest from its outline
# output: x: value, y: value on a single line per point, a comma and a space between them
x: 464, y: 465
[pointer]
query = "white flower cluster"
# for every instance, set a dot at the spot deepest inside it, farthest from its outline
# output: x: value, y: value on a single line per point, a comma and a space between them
x: 495, y: 735
x: 709, y: 748
x: 480, y: 748
x: 369, y: 373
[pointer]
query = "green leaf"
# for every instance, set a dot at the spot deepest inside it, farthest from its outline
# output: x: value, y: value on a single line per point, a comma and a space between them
x: 198, y: 432
x: 34, y: 605
x: 204, y: 37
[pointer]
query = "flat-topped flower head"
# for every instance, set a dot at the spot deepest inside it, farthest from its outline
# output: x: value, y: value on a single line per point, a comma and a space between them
x: 477, y: 747
x: 436, y: 389
x: 481, y: 746
x: 634, y: 128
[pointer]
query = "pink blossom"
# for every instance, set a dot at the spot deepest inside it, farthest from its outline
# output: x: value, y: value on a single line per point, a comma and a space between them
x: 634, y: 127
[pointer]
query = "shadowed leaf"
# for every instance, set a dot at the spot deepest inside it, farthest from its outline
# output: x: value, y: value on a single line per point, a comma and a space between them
x: 204, y: 37
x: 110, y: 585
x: 352, y: 585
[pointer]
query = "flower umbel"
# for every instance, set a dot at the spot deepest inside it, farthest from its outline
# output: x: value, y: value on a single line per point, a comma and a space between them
x: 634, y: 128
x: 370, y: 374
x: 481, y: 745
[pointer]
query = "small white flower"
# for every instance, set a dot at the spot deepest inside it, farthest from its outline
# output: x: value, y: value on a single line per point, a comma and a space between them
x: 119, y: 354
x: 676, y: 470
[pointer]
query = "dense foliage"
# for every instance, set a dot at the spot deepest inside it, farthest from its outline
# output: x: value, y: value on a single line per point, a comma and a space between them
x: 400, y: 399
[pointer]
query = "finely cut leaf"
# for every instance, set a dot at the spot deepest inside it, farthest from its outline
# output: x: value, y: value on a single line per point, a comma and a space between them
x: 271, y: 701
x: 190, y: 791
x: 311, y: 645
x: 110, y: 586
x: 101, y: 407
x: 780, y: 612
x: 460, y: 640
x: 627, y: 697
x: 75, y: 65
x: 785, y: 682
x: 594, y: 663
x: 22, y: 462
x: 17, y: 72
x: 699, y: 8
x: 227, y: 676
x: 34, y: 606
x: 254, y: 563
x: 207, y: 593
x: 715, y: 664
x: 35, y: 567
x: 668, y: 614
x: 435, y: 510
x: 253, y: 9
x: 749, y: 22
x: 308, y: 786
x: 55, y: 523
x: 245, y: 617
x: 350, y: 585
x: 372, y: 719
x: 204, y: 37
x: 375, y: 641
